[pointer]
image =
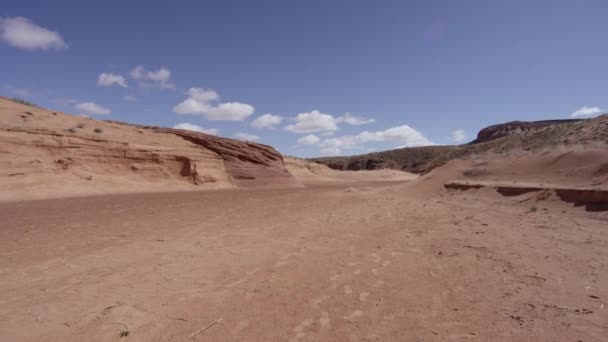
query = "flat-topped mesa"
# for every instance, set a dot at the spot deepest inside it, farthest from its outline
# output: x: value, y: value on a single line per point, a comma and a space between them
x: 515, y: 127
x: 249, y: 164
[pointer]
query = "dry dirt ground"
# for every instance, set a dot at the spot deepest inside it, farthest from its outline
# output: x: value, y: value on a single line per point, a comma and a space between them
x: 330, y: 262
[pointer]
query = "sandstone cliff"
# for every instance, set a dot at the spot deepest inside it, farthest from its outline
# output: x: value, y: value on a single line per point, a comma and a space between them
x: 48, y: 154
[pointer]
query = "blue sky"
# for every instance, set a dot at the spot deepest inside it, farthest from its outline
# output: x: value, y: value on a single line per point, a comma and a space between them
x: 335, y: 77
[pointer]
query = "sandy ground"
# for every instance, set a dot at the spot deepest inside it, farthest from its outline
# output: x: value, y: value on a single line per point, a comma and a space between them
x: 335, y: 262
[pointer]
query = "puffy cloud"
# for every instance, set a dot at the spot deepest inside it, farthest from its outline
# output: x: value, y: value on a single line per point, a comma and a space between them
x: 310, y: 139
x: 586, y: 112
x: 459, y: 135
x: 330, y: 151
x: 22, y: 33
x: 160, y: 78
x: 343, y: 142
x: 230, y: 111
x: 92, y: 108
x: 129, y: 98
x: 138, y: 73
x: 312, y: 122
x: 353, y: 120
x: 203, y: 102
x: 267, y: 121
x: 109, y: 79
x: 404, y: 135
x: 247, y: 136
x: 316, y: 121
x: 190, y: 127
x: 161, y: 75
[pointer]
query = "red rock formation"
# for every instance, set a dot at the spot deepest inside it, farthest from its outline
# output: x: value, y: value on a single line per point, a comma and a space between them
x: 244, y: 161
x: 49, y: 154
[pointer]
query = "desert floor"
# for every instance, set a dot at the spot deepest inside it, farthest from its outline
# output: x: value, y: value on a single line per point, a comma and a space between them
x: 341, y: 262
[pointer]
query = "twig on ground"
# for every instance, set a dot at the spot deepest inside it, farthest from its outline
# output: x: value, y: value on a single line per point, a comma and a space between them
x: 205, y: 328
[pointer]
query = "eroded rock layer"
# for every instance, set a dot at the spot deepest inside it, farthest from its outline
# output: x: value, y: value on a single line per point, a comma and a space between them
x: 249, y: 164
x: 49, y: 154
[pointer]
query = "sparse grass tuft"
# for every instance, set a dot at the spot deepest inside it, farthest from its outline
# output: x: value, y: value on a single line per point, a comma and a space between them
x: 23, y: 102
x: 70, y: 130
x: 98, y: 130
x: 80, y: 125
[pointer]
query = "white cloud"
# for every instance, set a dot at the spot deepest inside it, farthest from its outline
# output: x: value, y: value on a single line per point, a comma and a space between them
x: 138, y: 73
x: 162, y: 75
x: 93, y: 108
x: 247, y: 136
x: 203, y: 102
x: 109, y: 79
x: 586, y: 111
x: 230, y: 111
x: 325, y: 124
x: 353, y: 120
x: 312, y: 122
x: 129, y: 98
x: 195, y: 128
x: 267, y: 121
x: 160, y: 78
x: 459, y: 135
x: 310, y: 139
x: 22, y: 33
x: 404, y: 135
x: 330, y: 151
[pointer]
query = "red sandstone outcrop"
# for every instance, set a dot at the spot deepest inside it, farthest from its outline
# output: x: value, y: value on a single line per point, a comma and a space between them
x: 244, y: 161
x: 49, y: 154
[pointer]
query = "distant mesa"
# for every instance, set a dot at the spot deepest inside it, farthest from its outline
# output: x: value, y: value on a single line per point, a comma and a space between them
x: 516, y: 127
x: 514, y: 136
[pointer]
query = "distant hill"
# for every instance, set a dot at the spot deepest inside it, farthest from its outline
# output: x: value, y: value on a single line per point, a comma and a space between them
x: 501, y: 138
